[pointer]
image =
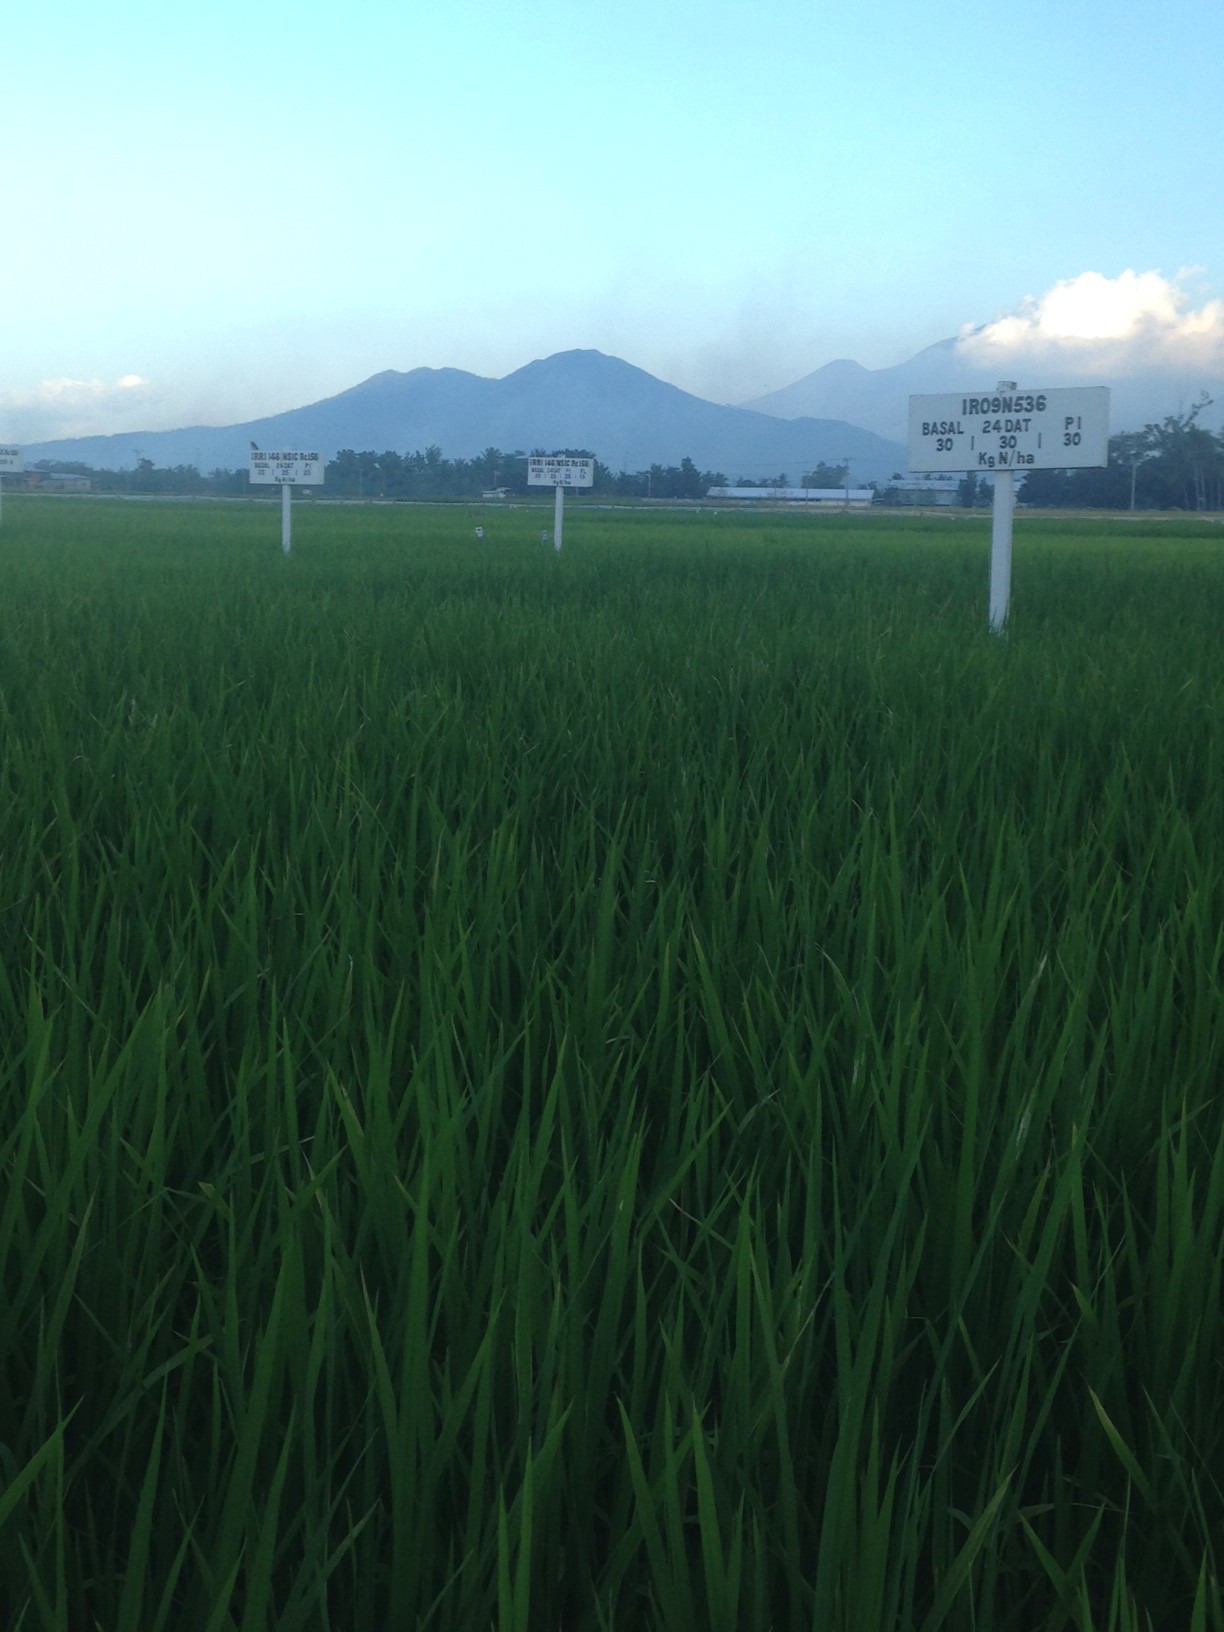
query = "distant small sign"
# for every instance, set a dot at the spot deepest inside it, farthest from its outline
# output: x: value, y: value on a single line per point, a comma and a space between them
x: 1062, y: 429
x: 558, y: 471
x: 12, y: 459
x: 287, y: 469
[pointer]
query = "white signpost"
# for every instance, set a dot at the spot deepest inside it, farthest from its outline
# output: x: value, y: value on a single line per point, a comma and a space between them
x: 999, y: 433
x: 287, y: 470
x: 10, y: 459
x: 559, y: 471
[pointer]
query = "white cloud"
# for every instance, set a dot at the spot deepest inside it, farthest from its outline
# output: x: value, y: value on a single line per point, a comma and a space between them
x: 65, y: 407
x: 1138, y: 322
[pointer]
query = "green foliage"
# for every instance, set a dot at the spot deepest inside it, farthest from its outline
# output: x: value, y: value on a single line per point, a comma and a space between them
x: 826, y: 476
x: 1176, y: 464
x: 673, y: 1085
x: 429, y: 475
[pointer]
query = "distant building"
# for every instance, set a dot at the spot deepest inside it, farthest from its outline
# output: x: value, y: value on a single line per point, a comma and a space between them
x: 827, y: 498
x: 925, y: 490
x: 59, y: 481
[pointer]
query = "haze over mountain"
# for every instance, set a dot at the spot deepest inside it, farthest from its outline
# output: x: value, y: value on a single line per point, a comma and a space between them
x: 574, y: 399
x: 877, y: 398
x: 1137, y: 334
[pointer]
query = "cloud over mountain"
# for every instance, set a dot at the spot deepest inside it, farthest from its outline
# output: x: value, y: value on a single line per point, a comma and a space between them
x: 1147, y: 337
x: 67, y: 407
x: 574, y: 399
x: 1092, y: 325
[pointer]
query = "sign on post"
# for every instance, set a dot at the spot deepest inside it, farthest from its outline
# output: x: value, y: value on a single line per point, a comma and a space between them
x: 1000, y: 432
x: 1006, y: 429
x: 286, y: 470
x: 10, y: 459
x: 559, y: 471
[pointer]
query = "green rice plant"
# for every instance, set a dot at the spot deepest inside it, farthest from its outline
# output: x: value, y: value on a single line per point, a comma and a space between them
x: 671, y: 1085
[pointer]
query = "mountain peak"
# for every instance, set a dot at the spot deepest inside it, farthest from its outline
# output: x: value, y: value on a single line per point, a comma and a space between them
x: 578, y: 398
x: 578, y: 363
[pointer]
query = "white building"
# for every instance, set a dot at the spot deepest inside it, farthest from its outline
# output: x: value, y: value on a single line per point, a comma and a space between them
x: 930, y: 489
x: 827, y: 498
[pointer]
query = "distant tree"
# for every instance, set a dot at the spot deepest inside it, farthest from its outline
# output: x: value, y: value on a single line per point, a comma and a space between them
x: 1183, y: 454
x: 690, y: 483
x: 340, y: 473
x: 827, y: 475
x: 390, y: 474
x: 369, y: 485
x: 1130, y: 450
x: 1173, y: 463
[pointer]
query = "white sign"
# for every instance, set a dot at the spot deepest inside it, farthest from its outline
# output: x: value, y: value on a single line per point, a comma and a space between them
x: 559, y: 471
x: 1062, y: 429
x: 11, y: 459
x: 287, y: 469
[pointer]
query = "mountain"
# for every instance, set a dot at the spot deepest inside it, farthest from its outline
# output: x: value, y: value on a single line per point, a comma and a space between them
x: 575, y: 399
x: 877, y: 398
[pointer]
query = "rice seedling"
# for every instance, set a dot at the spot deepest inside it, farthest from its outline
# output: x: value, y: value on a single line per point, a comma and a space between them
x: 673, y: 1085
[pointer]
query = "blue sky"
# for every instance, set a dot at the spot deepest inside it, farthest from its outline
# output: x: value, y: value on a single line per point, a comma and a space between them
x: 216, y: 213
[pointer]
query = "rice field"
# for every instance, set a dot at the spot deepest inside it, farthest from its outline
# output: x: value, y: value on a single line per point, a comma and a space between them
x: 675, y: 1085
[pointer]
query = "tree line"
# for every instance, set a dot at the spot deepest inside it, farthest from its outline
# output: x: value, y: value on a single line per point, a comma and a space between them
x: 1174, y: 463
x: 423, y: 474
x: 143, y: 477
x: 1171, y: 464
x: 428, y: 475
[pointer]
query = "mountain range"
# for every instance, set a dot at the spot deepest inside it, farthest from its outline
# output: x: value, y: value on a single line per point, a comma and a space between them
x: 627, y: 417
x: 877, y: 398
x: 575, y: 400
